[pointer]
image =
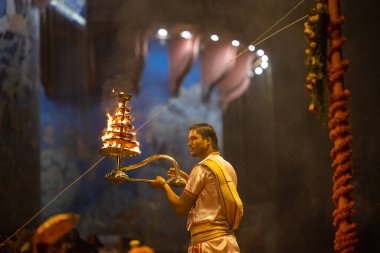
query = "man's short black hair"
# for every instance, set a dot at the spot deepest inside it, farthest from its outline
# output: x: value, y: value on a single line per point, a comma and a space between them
x: 206, y: 131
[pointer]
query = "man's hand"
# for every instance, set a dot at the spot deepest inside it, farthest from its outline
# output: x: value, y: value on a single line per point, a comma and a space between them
x: 158, y: 183
x: 171, y: 173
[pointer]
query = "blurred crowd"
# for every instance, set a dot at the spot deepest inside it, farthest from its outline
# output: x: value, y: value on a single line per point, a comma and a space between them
x: 71, y: 242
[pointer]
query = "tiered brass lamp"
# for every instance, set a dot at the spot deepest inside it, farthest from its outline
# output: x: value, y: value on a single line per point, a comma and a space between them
x: 119, y: 141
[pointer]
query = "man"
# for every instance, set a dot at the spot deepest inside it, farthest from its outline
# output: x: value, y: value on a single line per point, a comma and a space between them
x: 210, y: 198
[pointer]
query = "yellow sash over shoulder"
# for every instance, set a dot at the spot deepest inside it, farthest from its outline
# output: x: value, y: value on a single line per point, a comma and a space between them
x: 231, y: 200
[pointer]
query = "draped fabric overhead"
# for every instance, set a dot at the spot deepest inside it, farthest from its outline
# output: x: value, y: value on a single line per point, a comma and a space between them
x: 182, y: 53
x: 216, y: 60
x: 236, y: 93
x: 237, y: 80
x: 219, y: 66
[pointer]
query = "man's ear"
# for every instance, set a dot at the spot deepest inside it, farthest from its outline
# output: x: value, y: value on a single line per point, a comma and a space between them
x: 208, y: 140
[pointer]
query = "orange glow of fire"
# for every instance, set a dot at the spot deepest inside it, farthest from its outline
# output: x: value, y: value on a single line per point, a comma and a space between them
x: 111, y: 137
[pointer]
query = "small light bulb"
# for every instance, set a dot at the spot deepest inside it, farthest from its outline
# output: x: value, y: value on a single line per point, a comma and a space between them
x: 162, y: 33
x: 214, y: 37
x: 264, y: 64
x: 264, y: 57
x: 251, y: 48
x: 260, y: 52
x: 235, y: 43
x: 186, y: 35
x: 258, y: 70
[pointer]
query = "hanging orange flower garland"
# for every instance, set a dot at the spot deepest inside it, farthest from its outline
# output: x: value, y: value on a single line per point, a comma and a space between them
x: 346, y: 237
x: 323, y: 25
x: 315, y: 35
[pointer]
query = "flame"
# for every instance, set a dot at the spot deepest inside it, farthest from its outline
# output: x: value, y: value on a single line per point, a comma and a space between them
x: 119, y: 133
x: 106, y: 136
x: 136, y: 149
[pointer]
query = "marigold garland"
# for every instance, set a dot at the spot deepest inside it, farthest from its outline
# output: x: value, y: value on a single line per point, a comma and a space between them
x: 315, y: 35
x: 345, y: 237
x: 322, y: 26
x: 340, y: 134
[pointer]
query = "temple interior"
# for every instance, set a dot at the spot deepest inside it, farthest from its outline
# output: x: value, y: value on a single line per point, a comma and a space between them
x: 63, y: 62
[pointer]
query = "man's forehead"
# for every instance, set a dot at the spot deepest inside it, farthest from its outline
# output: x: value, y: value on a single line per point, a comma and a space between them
x: 192, y: 132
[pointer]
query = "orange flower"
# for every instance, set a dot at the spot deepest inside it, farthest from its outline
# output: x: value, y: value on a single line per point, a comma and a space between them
x: 311, y: 76
x: 312, y: 107
x: 314, y: 18
x: 313, y: 60
x: 309, y: 87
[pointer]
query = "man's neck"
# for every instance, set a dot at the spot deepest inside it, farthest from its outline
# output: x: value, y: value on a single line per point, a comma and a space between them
x: 211, y: 152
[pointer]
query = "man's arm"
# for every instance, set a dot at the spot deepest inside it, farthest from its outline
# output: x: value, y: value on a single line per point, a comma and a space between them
x: 181, y: 204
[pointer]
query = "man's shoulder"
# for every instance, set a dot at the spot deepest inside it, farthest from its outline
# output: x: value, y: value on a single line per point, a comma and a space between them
x: 216, y: 158
x: 201, y: 171
x: 224, y: 166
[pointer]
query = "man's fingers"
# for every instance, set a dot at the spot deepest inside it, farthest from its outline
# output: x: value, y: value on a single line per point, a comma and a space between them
x: 171, y: 172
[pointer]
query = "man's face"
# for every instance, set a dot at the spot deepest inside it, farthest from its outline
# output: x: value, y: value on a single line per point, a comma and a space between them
x: 197, y: 145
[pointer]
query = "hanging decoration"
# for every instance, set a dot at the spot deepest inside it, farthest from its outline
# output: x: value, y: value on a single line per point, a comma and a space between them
x: 315, y: 35
x: 323, y: 30
x: 340, y: 133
